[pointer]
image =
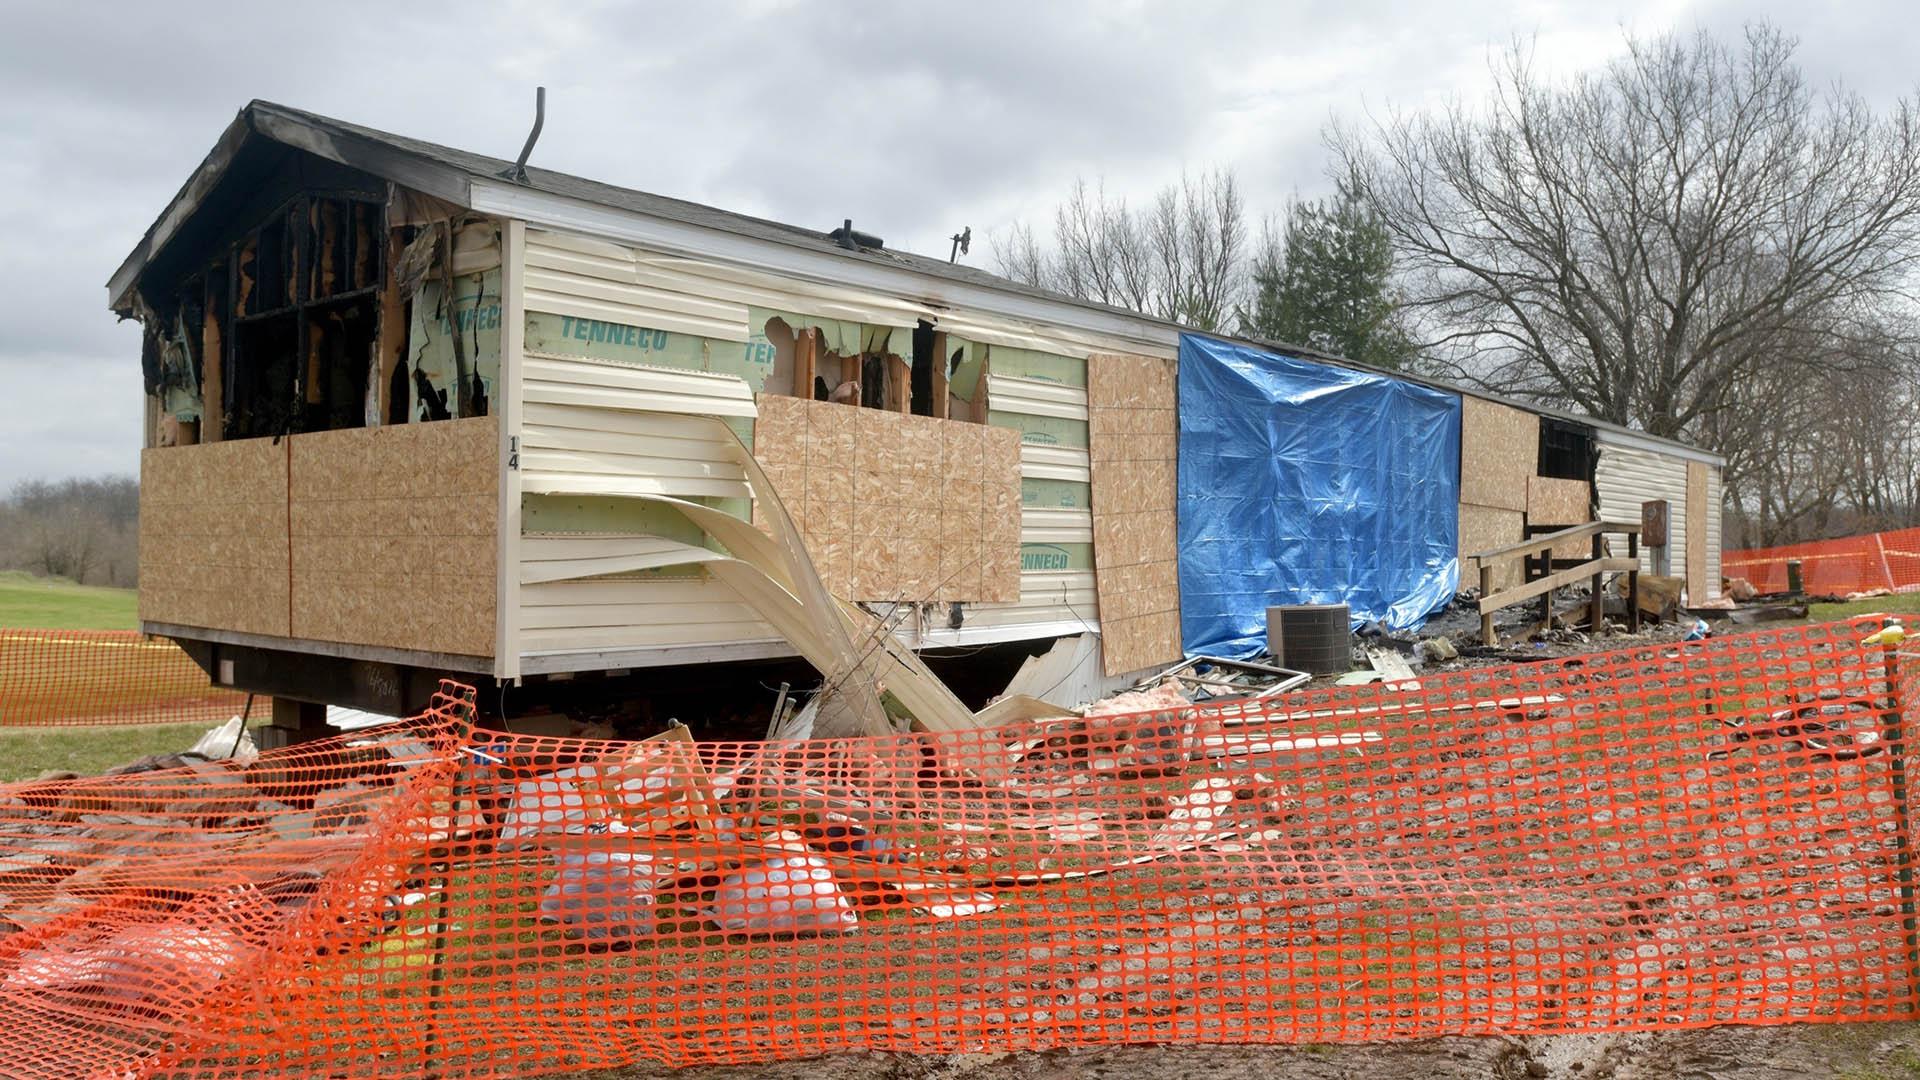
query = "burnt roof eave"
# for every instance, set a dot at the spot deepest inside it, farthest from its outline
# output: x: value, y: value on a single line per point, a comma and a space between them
x: 261, y: 119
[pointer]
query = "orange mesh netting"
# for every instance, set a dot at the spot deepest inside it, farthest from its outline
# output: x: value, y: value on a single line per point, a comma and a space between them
x: 104, y: 677
x: 1885, y: 560
x: 1668, y: 836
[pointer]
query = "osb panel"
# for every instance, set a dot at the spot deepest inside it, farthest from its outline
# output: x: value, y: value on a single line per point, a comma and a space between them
x: 1499, y: 448
x: 895, y: 506
x: 1698, y: 587
x: 1484, y: 528
x: 1133, y: 445
x: 393, y: 534
x: 1561, y: 502
x: 213, y: 536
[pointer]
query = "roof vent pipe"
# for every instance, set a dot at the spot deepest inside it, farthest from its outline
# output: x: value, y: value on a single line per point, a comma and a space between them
x: 519, y: 173
x: 847, y: 238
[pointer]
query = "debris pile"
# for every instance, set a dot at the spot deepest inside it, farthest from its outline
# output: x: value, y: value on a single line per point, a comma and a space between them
x: 1074, y: 878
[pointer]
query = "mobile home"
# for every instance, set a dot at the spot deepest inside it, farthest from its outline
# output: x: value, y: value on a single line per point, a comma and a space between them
x: 414, y: 411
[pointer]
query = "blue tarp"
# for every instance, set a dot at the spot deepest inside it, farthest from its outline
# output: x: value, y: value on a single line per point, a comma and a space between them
x: 1302, y: 484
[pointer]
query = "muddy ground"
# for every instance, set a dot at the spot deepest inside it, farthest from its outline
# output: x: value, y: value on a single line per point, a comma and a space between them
x: 1839, y: 1051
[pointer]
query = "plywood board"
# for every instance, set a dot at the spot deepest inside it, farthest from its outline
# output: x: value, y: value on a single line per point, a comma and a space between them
x: 392, y: 534
x: 1561, y: 502
x: 1484, y: 528
x: 213, y: 536
x: 1699, y: 588
x: 1133, y: 446
x: 1499, y: 449
x: 894, y: 506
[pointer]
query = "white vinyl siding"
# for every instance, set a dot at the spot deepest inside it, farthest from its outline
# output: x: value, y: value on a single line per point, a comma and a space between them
x: 598, y: 428
x: 1630, y: 473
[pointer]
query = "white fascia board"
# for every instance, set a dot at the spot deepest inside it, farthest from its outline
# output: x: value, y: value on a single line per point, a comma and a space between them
x: 577, y: 215
x: 1608, y: 436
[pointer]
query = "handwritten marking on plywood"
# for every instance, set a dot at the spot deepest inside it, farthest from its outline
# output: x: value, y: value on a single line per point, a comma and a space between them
x: 895, y: 506
x: 1133, y: 447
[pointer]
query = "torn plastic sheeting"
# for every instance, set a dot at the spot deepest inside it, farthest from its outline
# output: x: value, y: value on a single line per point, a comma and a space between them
x: 790, y: 894
x: 1305, y: 483
x: 604, y: 893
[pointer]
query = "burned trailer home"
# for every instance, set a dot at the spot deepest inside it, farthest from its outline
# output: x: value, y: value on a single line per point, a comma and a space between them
x: 415, y: 412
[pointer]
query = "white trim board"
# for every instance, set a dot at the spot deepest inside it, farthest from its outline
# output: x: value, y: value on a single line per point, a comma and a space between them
x: 578, y: 215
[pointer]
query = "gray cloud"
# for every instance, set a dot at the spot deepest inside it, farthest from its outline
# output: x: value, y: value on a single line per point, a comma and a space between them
x: 913, y: 119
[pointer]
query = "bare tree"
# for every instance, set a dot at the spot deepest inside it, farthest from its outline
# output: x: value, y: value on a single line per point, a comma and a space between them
x: 1017, y: 256
x: 1644, y: 242
x: 1183, y: 258
x: 82, y: 530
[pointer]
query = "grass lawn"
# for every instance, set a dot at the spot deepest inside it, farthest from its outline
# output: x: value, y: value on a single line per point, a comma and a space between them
x: 26, y: 753
x: 1895, y: 604
x: 50, y: 677
x: 28, y: 602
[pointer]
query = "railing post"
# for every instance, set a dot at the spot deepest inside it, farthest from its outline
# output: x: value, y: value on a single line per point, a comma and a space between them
x: 1597, y: 611
x: 1488, y: 635
x: 1633, y: 584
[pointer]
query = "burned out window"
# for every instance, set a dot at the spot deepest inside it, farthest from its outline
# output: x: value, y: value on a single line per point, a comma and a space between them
x: 1567, y: 450
x: 281, y: 325
x: 896, y: 369
x: 311, y: 310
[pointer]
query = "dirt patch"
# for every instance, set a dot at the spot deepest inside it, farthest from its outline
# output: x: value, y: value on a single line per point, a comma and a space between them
x: 1799, y: 1051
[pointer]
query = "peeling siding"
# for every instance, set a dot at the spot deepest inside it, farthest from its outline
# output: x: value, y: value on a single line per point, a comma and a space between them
x: 595, y: 427
x: 1054, y: 463
x: 1045, y: 526
x: 1052, y: 417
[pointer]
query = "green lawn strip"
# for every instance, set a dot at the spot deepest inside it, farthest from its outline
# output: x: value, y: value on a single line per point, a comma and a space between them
x: 1892, y: 604
x: 27, y: 752
x: 29, y: 602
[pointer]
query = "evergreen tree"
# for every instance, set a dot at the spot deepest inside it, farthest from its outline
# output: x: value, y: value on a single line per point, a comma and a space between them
x: 1325, y: 282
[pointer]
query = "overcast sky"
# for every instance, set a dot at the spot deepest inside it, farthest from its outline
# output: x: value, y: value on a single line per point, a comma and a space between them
x: 913, y: 119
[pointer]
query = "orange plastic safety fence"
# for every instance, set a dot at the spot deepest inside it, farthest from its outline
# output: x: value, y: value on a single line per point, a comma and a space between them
x: 1670, y: 836
x: 1884, y: 560
x: 93, y: 677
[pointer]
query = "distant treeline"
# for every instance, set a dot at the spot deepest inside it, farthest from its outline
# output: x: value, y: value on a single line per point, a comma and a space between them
x: 82, y: 530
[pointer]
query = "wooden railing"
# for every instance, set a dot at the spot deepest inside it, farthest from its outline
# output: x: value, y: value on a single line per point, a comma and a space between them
x: 1544, y: 573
